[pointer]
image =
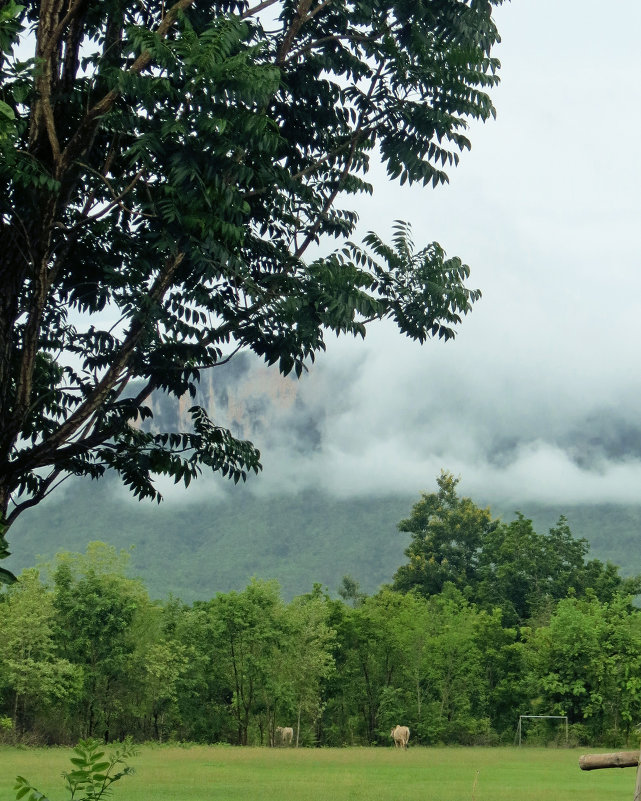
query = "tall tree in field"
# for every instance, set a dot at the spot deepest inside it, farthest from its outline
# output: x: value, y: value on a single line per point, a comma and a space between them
x: 33, y: 677
x: 251, y: 632
x: 447, y: 537
x: 308, y: 658
x: 95, y: 606
x: 165, y: 168
x: 370, y: 664
x: 497, y: 564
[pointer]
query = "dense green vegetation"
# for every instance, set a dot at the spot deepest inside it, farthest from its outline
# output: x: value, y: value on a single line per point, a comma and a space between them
x: 457, y: 648
x: 215, y: 542
x: 214, y: 773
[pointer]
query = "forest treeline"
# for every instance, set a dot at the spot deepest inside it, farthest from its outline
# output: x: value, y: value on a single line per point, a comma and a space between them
x: 485, y: 622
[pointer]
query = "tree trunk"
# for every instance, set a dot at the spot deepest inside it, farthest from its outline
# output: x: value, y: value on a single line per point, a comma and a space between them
x: 15, y: 713
x: 637, y: 787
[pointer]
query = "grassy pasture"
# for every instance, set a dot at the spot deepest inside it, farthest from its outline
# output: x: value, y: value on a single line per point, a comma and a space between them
x: 219, y: 773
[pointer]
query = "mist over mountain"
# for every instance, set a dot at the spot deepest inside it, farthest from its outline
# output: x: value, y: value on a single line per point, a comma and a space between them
x: 364, y: 422
x: 345, y: 458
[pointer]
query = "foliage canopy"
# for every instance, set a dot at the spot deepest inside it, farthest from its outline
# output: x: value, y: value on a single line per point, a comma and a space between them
x: 165, y: 168
x: 89, y: 654
x: 497, y: 564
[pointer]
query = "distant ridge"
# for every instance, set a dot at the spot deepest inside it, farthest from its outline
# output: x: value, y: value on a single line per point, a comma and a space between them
x: 193, y: 549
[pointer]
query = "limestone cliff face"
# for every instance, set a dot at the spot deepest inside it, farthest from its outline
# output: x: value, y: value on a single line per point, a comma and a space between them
x: 244, y: 396
x: 250, y: 403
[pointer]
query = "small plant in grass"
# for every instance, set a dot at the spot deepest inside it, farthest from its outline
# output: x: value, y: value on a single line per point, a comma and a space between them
x: 92, y: 776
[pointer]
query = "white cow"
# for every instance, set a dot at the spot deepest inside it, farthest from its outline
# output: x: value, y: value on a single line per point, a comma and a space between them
x: 401, y: 736
x: 285, y: 734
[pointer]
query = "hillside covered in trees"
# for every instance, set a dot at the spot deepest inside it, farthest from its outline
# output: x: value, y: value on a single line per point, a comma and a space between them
x: 216, y: 541
x: 483, y: 621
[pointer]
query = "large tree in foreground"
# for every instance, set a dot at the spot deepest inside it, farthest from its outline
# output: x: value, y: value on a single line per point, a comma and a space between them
x: 165, y: 168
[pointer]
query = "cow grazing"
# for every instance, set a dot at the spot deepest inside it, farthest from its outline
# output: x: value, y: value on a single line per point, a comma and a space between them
x: 401, y: 736
x: 285, y: 734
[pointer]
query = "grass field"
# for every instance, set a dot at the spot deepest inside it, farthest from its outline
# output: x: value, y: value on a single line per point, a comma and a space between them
x: 219, y: 773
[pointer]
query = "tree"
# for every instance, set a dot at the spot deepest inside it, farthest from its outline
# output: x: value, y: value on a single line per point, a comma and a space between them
x: 155, y: 671
x: 586, y: 665
x: 308, y: 657
x: 96, y: 605
x: 164, y: 663
x: 447, y: 537
x: 454, y: 673
x: 503, y: 665
x: 369, y: 664
x: 527, y: 573
x: 164, y: 170
x: 350, y: 591
x: 31, y: 673
x: 497, y: 564
x: 250, y: 633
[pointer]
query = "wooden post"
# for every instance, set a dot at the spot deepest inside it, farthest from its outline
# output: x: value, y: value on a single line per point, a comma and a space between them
x: 621, y: 759
x: 637, y: 788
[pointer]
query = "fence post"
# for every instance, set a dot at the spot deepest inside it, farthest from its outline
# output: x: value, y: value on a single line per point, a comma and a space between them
x: 637, y: 788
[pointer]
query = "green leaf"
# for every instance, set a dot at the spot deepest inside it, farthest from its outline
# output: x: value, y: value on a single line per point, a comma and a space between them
x: 6, y: 576
x: 6, y: 110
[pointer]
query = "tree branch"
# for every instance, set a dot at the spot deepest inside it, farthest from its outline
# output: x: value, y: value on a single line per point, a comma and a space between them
x: 116, y: 201
x: 46, y: 54
x: 84, y: 131
x: 99, y: 437
x: 44, y: 490
x: 42, y: 454
x: 299, y: 20
x: 358, y: 133
x: 251, y: 11
x: 349, y: 37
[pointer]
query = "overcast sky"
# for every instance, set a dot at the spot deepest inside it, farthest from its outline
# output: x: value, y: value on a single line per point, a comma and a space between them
x: 539, y: 396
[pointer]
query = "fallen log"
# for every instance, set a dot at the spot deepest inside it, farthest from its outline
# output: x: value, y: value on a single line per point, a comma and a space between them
x: 620, y: 759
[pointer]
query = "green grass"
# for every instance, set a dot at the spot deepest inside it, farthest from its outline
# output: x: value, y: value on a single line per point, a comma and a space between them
x: 200, y: 773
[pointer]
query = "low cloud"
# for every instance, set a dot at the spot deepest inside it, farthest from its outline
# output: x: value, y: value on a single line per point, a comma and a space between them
x: 385, y: 417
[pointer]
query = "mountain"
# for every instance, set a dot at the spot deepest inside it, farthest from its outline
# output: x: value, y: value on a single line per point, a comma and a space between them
x: 216, y: 536
x: 216, y: 544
